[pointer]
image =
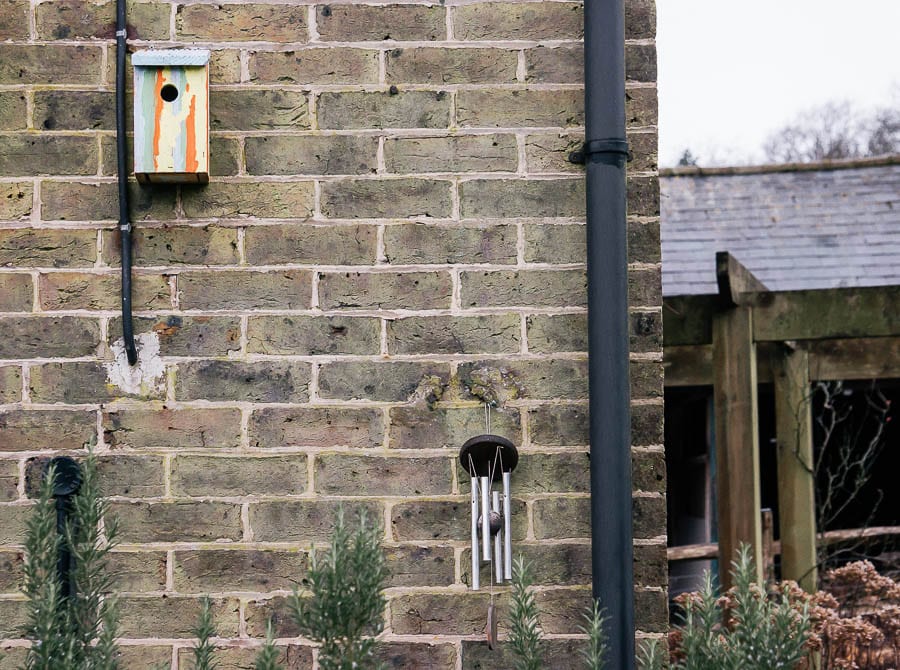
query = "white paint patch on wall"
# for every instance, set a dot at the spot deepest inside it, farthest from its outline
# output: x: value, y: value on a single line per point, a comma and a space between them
x: 147, y: 376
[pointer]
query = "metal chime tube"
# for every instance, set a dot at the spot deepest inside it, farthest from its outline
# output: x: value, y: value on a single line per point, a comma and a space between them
x: 507, y: 527
x: 476, y: 563
x: 498, y: 552
x: 486, y: 519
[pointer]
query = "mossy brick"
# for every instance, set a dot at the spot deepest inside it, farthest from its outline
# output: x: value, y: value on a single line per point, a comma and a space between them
x: 555, y: 243
x: 332, y: 65
x: 239, y: 476
x: 555, y: 653
x: 551, y: 333
x: 649, y: 516
x: 450, y: 66
x: 138, y: 572
x: 14, y: 20
x: 180, y: 521
x: 526, y: 288
x: 562, y: 518
x: 79, y: 383
x: 558, y: 425
x: 646, y: 424
x: 421, y: 427
x: 291, y: 657
x: 250, y: 22
x: 482, y: 198
x: 13, y: 617
x: 259, y: 109
x: 259, y: 381
x: 386, y: 198
x: 303, y: 520
x: 348, y: 475
x: 50, y: 64
x: 646, y: 379
x: 460, y: 613
x: 15, y: 202
x: 313, y: 335
x: 311, y: 155
x: 278, y: 289
x: 39, y: 430
x: 537, y: 379
x: 644, y: 242
x: 80, y: 19
x: 385, y: 290
x: 174, y: 617
x: 445, y: 520
x: 9, y: 483
x: 403, y: 109
x: 645, y: 330
x: 365, y: 23
x: 490, y: 334
x: 641, y: 107
x: 379, y: 381
x: 83, y: 290
x: 316, y: 427
x: 519, y: 21
x: 239, y: 570
x: 519, y: 108
x: 313, y: 244
x: 561, y: 611
x: 131, y: 476
x: 16, y: 293
x: 640, y: 19
x: 416, y: 654
x: 75, y: 201
x: 175, y: 245
x: 13, y: 112
x: 651, y: 611
x: 38, y: 154
x: 48, y: 337
x: 420, y: 242
x: 13, y: 519
x: 453, y: 153
x: 651, y: 566
x: 563, y: 64
x: 10, y: 391
x: 12, y: 571
x: 643, y: 196
x: 167, y: 428
x: 283, y: 200
x: 419, y: 566
x: 551, y: 564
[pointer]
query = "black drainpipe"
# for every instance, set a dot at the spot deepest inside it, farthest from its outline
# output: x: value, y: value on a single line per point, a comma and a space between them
x: 122, y: 169
x: 604, y: 154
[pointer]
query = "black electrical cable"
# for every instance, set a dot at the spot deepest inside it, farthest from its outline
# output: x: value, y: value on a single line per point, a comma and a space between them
x: 122, y: 169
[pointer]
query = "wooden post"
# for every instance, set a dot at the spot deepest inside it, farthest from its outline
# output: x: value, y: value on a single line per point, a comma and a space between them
x: 796, y: 502
x: 769, y: 550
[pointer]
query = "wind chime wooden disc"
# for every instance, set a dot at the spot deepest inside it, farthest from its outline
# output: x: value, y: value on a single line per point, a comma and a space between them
x: 479, y: 454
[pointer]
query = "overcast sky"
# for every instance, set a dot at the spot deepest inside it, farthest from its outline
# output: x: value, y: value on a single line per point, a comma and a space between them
x: 732, y: 72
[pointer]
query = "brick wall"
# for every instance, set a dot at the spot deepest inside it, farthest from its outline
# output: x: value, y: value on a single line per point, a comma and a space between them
x: 392, y: 233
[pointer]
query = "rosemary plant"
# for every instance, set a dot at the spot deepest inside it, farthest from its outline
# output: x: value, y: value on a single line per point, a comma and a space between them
x: 524, y: 633
x: 267, y: 658
x: 204, y: 652
x: 595, y: 654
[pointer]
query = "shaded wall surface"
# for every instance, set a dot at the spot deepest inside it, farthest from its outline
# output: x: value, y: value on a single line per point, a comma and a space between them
x: 391, y: 235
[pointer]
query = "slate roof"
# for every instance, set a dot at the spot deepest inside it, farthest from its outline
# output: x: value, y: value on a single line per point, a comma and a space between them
x: 810, y: 226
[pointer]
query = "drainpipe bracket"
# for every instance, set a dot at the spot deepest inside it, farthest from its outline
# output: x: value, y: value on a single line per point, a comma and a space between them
x: 608, y: 151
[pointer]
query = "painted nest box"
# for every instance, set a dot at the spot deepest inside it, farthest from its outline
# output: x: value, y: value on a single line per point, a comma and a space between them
x: 171, y: 116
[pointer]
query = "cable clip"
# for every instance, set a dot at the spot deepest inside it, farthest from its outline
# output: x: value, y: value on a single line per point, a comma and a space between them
x: 122, y: 33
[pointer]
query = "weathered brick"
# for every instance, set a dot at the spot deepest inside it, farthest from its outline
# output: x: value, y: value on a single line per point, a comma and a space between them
x: 455, y: 153
x: 291, y: 657
x: 50, y: 64
x: 503, y: 108
x: 138, y: 572
x: 48, y: 337
x: 522, y: 198
x: 646, y: 379
x: 386, y: 198
x: 648, y: 471
x: 555, y: 243
x: 643, y: 196
x: 239, y: 570
x: 174, y: 617
x: 285, y: 289
x: 316, y: 427
x: 36, y: 154
x: 445, y: 520
x: 182, y: 245
x: 420, y: 242
x: 454, y: 334
x: 13, y: 617
x: 261, y: 381
x: 568, y: 564
x: 224, y: 66
x: 12, y: 524
x: 224, y: 159
x: 381, y: 476
x: 226, y: 476
x: 141, y: 657
x: 549, y: 152
x: 546, y: 379
x: 259, y: 109
x: 387, y: 381
x: 13, y: 114
x: 36, y: 430
x: 404, y: 109
x: 242, y: 23
x: 9, y: 483
x: 224, y: 156
x: 460, y: 613
x: 48, y: 248
x: 182, y: 521
x: 643, y: 243
x: 77, y: 383
x: 380, y: 290
x: 538, y: 288
x: 640, y: 19
x: 302, y: 520
x: 305, y: 243
x: 646, y: 330
x: 550, y: 473
x: 15, y: 202
x: 646, y: 424
x: 239, y: 200
x: 651, y: 611
x: 84, y: 290
x: 562, y: 610
x: 357, y: 23
x: 651, y: 566
x: 644, y: 151
x: 451, y: 66
x: 311, y: 155
x: 258, y: 613
x: 649, y: 517
x: 131, y: 476
x: 335, y: 65
x: 420, y: 427
x: 79, y: 19
x: 555, y: 653
x: 167, y: 428
x: 519, y: 21
x: 641, y: 107
x: 559, y: 518
x: 305, y: 335
x: 72, y: 201
x: 10, y: 389
x: 551, y: 333
x: 416, y: 655
x: 420, y: 566
x: 14, y: 20
x: 555, y: 65
x: 559, y: 425
x: 12, y: 567
x: 16, y: 293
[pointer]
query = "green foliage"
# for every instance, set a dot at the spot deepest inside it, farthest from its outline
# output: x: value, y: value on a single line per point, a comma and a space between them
x: 595, y: 620
x: 345, y: 610
x: 267, y: 658
x: 651, y: 656
x: 204, y: 651
x: 524, y: 634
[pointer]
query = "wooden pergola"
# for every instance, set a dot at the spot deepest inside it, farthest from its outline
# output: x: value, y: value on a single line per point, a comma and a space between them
x: 747, y: 334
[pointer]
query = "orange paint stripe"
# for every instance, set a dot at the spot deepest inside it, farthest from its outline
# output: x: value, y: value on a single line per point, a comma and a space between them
x: 190, y: 159
x: 157, y: 116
